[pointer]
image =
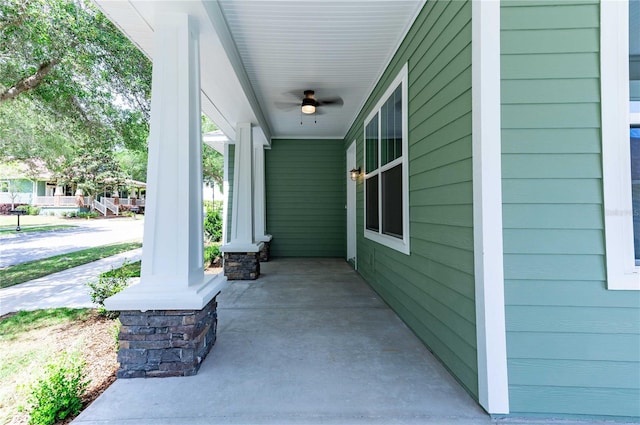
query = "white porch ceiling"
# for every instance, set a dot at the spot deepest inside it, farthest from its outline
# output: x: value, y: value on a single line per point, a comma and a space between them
x: 275, y: 47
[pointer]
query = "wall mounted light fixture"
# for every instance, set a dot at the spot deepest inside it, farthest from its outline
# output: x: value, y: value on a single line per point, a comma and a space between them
x: 355, y: 173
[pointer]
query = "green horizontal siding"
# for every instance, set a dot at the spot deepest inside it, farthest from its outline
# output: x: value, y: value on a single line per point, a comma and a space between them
x: 573, y: 347
x: 432, y: 289
x: 305, y: 198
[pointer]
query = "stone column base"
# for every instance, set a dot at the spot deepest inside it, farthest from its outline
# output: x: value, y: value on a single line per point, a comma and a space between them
x: 161, y: 343
x: 241, y: 265
x: 265, y: 252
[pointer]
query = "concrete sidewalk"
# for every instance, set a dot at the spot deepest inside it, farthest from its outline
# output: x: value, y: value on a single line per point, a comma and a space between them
x: 17, y: 248
x: 62, y: 289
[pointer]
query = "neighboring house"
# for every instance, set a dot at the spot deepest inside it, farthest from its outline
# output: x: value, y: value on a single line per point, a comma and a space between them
x: 493, y: 207
x: 21, y: 184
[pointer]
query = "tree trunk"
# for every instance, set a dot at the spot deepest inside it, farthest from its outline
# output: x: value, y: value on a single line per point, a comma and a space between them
x: 30, y: 82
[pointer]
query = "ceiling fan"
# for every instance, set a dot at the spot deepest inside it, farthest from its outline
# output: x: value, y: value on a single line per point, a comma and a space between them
x: 309, y: 104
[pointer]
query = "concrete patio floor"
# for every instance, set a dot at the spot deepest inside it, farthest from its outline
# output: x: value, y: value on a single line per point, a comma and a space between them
x: 307, y: 343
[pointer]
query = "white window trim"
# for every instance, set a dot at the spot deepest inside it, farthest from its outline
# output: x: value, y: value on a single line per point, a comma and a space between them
x: 622, y: 272
x: 402, y: 245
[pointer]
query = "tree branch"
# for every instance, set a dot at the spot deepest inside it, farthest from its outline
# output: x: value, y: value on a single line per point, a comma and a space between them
x: 30, y: 82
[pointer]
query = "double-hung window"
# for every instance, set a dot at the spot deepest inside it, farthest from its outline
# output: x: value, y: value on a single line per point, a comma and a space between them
x: 620, y: 97
x: 386, y: 178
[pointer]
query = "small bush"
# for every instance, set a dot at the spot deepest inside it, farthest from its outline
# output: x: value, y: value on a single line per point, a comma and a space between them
x: 5, y: 209
x: 108, y: 284
x: 213, y: 223
x: 58, y: 395
x: 30, y: 209
x: 211, y: 254
x: 87, y: 214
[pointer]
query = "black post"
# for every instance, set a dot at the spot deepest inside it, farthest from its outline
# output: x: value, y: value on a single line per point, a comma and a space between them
x: 18, y: 228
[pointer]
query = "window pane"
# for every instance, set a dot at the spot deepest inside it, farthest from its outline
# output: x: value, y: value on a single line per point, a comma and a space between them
x: 635, y: 188
x: 372, y: 203
x: 392, y: 202
x: 371, y: 143
x: 391, y: 127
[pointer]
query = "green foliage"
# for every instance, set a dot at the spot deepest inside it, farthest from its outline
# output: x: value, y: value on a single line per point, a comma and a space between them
x: 58, y: 395
x: 213, y: 221
x: 211, y: 252
x: 24, y: 272
x: 212, y: 160
x: 107, y: 285
x: 126, y: 270
x: 92, y: 99
x: 87, y: 214
x: 30, y: 209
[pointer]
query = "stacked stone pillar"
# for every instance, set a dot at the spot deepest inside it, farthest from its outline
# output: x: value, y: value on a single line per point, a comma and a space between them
x: 169, y: 319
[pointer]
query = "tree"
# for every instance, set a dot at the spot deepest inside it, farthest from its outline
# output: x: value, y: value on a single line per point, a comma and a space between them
x: 66, y: 69
x: 212, y: 160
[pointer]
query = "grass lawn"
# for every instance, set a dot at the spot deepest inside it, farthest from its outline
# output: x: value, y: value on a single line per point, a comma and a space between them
x: 127, y: 270
x: 30, y: 340
x: 20, y: 273
x: 10, y: 221
x: 47, y: 228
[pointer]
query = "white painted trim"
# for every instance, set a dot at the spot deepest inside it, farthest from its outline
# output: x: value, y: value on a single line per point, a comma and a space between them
x: 225, y: 189
x: 226, y: 39
x: 493, y: 381
x: 352, y: 236
x: 403, y: 245
x: 622, y: 272
x: 259, y: 195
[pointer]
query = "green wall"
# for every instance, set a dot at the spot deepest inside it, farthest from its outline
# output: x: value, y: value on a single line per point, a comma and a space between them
x: 305, y: 187
x: 573, y: 346
x: 432, y: 290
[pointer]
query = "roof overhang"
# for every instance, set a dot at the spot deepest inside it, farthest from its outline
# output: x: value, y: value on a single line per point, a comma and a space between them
x: 258, y: 54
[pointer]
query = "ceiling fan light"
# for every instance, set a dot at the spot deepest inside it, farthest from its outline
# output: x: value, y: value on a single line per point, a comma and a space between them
x: 308, y: 106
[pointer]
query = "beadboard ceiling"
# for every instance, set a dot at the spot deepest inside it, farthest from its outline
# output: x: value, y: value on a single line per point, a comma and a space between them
x: 280, y: 47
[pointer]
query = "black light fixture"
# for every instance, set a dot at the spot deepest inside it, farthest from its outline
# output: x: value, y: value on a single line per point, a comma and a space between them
x: 355, y: 172
x: 309, y: 102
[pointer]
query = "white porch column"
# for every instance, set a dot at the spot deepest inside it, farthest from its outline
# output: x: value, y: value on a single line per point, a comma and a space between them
x: 242, y: 237
x: 172, y: 275
x: 259, y: 190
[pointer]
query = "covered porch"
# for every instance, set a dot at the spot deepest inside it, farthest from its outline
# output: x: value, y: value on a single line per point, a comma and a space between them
x: 309, y: 342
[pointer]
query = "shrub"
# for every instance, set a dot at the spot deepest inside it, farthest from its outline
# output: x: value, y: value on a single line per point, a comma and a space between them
x: 213, y: 223
x: 211, y: 253
x: 58, y: 395
x: 5, y: 209
x: 108, y: 284
x: 31, y: 210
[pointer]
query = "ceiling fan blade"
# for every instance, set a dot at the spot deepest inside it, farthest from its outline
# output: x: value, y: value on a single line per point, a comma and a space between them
x: 334, y: 101
x: 287, y: 106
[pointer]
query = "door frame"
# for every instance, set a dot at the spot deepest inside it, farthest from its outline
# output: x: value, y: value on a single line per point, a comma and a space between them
x: 352, y: 251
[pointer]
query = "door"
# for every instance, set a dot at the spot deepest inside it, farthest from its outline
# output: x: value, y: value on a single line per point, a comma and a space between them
x: 351, y: 206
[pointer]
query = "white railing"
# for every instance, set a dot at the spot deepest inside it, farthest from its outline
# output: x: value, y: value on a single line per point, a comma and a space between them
x: 100, y: 207
x: 111, y: 206
x: 62, y: 201
x: 127, y: 201
x: 43, y: 200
